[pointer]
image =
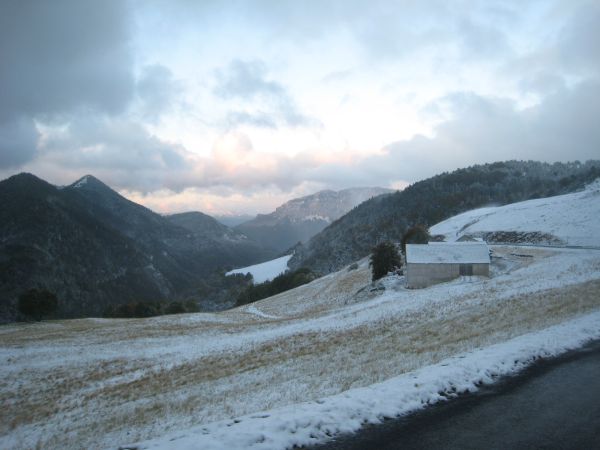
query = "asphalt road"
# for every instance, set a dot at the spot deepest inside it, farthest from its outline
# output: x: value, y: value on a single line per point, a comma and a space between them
x: 555, y: 404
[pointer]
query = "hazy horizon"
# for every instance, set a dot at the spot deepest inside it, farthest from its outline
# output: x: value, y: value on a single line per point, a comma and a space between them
x: 238, y: 107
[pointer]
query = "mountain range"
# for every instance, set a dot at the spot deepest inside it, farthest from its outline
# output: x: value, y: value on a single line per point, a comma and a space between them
x: 94, y: 248
x: 299, y: 219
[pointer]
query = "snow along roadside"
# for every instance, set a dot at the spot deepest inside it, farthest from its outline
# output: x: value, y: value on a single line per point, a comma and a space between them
x: 312, y: 422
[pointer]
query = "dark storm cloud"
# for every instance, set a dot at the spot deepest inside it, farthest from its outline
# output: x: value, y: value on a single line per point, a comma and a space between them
x: 18, y: 138
x: 59, y: 57
x: 248, y: 81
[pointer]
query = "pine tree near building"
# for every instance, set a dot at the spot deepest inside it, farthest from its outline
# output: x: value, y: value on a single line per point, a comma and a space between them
x: 384, y: 259
x: 418, y: 234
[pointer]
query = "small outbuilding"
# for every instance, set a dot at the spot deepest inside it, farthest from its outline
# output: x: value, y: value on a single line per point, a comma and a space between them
x: 428, y: 264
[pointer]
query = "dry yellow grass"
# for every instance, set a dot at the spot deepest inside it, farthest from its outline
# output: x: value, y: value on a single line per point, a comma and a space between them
x: 93, y: 383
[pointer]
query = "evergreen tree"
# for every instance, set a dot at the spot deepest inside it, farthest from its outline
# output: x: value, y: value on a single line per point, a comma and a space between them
x: 418, y: 234
x: 384, y: 259
x: 37, y: 303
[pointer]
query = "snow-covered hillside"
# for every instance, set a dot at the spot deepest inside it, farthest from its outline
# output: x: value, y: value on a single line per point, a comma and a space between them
x: 264, y: 271
x: 573, y: 219
x: 298, y: 367
x: 294, y: 368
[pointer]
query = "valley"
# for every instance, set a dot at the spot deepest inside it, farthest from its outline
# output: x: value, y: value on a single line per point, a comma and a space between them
x: 301, y: 218
x: 320, y: 359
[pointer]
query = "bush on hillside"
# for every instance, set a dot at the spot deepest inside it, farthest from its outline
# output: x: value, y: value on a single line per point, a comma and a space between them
x: 149, y: 309
x: 384, y: 259
x: 175, y: 308
x: 37, y: 303
x: 191, y: 306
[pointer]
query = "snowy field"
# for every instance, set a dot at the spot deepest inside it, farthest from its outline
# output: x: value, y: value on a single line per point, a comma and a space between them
x: 264, y: 271
x: 295, y: 368
x: 572, y: 218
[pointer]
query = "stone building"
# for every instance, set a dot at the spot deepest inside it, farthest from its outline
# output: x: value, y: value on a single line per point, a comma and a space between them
x: 428, y: 264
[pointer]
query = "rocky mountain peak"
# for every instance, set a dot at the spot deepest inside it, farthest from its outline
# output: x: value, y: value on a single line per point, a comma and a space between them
x: 91, y: 183
x: 301, y: 218
x: 326, y: 205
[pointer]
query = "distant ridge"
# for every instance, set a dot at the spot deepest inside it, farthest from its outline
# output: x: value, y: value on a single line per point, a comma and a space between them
x: 301, y: 218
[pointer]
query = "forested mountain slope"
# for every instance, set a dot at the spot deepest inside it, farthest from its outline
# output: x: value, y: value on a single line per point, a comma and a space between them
x: 432, y: 200
x: 94, y: 248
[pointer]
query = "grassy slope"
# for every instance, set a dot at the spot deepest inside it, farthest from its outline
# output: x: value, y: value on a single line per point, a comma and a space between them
x: 99, y: 383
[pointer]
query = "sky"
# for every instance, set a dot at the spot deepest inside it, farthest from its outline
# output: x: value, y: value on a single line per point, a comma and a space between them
x: 236, y: 107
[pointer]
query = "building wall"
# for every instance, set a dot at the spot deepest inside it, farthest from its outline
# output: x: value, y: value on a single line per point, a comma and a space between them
x: 482, y: 270
x: 423, y: 275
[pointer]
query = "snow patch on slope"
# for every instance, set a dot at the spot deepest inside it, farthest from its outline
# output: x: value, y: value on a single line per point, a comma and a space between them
x: 317, y: 217
x: 572, y: 218
x: 264, y: 271
x: 254, y: 310
x: 81, y: 182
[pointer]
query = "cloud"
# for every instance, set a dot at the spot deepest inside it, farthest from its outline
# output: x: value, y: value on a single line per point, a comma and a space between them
x: 62, y: 55
x: 543, y: 83
x: 247, y: 81
x: 482, y: 129
x: 69, y: 64
x: 565, y: 53
x: 578, y: 40
x: 118, y: 151
x: 156, y: 91
x: 59, y: 59
x: 479, y: 129
x: 258, y: 119
x: 126, y: 156
x: 18, y: 140
x: 75, y: 98
x: 482, y: 41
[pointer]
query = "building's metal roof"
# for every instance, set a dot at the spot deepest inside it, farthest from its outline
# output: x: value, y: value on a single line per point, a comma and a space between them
x: 448, y: 253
